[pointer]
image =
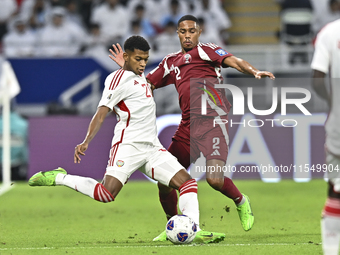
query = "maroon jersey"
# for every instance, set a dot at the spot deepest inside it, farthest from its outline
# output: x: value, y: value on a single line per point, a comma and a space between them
x: 194, y: 73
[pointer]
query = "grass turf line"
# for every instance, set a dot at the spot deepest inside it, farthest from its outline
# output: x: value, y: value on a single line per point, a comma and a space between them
x: 58, y: 220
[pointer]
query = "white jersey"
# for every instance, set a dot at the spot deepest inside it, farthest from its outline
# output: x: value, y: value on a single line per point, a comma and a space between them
x: 130, y: 96
x: 327, y: 59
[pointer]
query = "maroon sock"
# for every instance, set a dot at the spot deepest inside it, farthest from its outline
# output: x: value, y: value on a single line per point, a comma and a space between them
x: 230, y: 190
x: 169, y: 203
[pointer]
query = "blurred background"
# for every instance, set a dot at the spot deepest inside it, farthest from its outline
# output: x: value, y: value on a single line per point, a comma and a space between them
x: 58, y: 50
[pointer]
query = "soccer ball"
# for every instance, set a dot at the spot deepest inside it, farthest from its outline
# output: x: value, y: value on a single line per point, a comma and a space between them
x: 181, y: 229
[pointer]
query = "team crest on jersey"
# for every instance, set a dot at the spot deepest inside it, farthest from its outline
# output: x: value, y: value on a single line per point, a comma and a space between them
x: 120, y: 163
x: 221, y: 52
x: 187, y: 58
x: 109, y: 96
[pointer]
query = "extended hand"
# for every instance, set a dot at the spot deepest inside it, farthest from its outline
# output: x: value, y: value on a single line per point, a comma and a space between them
x: 261, y: 74
x: 117, y: 55
x: 79, y: 150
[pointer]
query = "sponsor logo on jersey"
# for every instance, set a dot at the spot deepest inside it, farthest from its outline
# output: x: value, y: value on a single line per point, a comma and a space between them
x: 120, y: 163
x: 221, y: 52
x: 109, y: 96
x: 136, y: 82
x: 187, y: 58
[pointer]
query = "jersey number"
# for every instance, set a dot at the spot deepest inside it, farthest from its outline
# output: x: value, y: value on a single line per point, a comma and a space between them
x: 216, y: 142
x: 178, y: 72
x: 148, y: 92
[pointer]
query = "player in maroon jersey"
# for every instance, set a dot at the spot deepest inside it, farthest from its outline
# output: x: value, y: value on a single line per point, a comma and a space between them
x: 198, y: 65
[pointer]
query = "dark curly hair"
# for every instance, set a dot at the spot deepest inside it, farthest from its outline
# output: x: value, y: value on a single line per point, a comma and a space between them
x: 136, y: 42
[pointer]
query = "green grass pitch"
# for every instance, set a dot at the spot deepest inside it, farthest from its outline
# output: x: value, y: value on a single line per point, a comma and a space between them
x: 58, y: 220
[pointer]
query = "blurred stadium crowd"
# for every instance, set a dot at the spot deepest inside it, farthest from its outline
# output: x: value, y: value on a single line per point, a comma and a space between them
x: 323, y: 11
x: 67, y: 28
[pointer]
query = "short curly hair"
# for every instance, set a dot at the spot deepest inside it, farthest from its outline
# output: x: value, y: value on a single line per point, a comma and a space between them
x: 136, y: 42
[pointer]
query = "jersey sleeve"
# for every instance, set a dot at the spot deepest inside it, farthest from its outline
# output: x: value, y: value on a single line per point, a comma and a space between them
x: 161, y: 75
x: 113, y: 91
x: 321, y: 55
x: 213, y: 53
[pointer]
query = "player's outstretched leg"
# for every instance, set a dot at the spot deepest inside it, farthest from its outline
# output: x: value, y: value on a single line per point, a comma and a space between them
x: 242, y: 202
x: 85, y: 185
x: 168, y: 199
x: 245, y: 214
x: 168, y: 196
x: 226, y: 186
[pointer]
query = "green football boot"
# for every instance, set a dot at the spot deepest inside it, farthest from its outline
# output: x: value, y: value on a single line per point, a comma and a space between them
x: 245, y: 214
x: 203, y: 236
x: 161, y: 237
x: 46, y: 178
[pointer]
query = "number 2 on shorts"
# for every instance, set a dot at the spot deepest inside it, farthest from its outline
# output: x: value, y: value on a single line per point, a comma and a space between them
x: 216, y: 142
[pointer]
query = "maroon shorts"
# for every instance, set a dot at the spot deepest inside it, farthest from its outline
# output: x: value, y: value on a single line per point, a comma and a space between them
x: 206, y: 135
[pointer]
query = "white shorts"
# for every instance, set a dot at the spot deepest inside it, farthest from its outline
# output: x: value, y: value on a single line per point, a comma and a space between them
x: 333, y: 173
x: 154, y: 161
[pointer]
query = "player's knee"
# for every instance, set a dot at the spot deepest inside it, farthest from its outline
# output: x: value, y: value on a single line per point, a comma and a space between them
x: 215, y: 183
x: 101, y: 194
x: 179, y: 179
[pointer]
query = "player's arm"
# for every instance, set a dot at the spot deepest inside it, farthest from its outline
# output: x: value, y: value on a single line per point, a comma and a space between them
x: 117, y: 54
x: 153, y: 87
x: 244, y: 67
x: 319, y: 85
x: 94, y: 126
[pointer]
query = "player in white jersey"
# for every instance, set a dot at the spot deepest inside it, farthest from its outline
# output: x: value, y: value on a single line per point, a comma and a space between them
x: 135, y: 144
x: 326, y: 60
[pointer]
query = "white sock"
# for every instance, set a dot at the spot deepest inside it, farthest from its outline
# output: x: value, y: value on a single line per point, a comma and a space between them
x: 86, y: 186
x: 330, y: 232
x: 242, y: 201
x: 188, y: 203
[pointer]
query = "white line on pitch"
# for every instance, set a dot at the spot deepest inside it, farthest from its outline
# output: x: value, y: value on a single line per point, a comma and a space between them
x: 154, y: 246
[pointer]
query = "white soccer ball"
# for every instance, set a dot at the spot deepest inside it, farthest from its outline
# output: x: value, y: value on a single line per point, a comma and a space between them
x: 181, y: 229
